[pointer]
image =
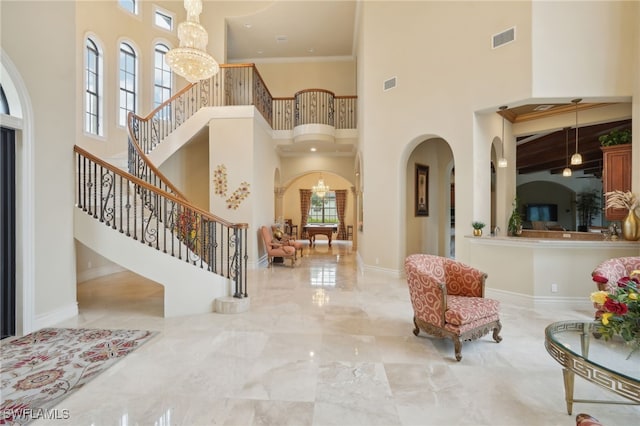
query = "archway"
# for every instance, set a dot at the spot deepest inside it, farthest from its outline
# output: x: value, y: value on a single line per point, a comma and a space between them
x: 430, y: 228
x: 21, y: 121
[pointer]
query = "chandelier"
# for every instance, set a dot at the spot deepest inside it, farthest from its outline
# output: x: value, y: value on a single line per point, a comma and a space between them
x: 191, y: 60
x: 320, y: 189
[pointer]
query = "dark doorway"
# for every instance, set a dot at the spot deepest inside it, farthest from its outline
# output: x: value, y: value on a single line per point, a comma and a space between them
x: 7, y: 233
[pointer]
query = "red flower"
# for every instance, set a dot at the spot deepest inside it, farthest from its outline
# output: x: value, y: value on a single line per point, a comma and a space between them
x: 615, y: 307
x: 600, y: 279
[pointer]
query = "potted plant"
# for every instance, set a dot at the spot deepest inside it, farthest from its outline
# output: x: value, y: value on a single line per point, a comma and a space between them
x: 515, y: 220
x: 477, y: 228
x: 616, y: 137
x: 587, y: 206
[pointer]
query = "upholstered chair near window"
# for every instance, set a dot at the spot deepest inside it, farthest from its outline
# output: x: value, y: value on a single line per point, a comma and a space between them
x: 287, y: 240
x: 275, y: 248
x: 448, y: 300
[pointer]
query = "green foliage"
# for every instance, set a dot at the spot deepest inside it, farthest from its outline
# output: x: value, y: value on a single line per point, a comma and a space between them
x: 616, y: 137
x: 477, y: 225
x: 515, y: 220
x: 587, y: 205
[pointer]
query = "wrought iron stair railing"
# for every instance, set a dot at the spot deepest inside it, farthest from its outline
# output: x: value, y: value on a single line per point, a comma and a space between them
x: 161, y: 219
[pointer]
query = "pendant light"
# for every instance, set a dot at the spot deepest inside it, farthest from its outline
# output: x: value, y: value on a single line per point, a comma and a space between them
x: 576, y: 159
x: 567, y: 170
x: 502, y: 162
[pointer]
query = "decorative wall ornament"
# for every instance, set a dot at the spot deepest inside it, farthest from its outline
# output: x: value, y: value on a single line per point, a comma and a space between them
x: 233, y: 202
x: 220, y: 180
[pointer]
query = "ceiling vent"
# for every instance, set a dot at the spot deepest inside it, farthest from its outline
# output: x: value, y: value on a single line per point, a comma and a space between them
x: 282, y: 39
x: 389, y: 84
x: 503, y: 38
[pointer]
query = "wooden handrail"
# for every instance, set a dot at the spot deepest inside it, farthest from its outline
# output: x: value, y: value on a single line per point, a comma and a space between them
x: 156, y: 190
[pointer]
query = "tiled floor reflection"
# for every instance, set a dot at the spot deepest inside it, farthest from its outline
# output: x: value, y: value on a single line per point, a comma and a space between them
x: 322, y: 344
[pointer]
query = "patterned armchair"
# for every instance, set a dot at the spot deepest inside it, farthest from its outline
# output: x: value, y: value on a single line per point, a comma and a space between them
x: 448, y: 300
x: 287, y: 239
x: 607, y: 274
x: 275, y: 248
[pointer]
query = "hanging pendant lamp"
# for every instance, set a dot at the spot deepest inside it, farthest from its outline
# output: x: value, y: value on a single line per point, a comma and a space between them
x: 567, y: 170
x: 502, y: 162
x: 576, y: 159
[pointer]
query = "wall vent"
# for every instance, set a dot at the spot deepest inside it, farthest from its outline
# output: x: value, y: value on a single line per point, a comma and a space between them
x: 505, y: 37
x: 389, y: 84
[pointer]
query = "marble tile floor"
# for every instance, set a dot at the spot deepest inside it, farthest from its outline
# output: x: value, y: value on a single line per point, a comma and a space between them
x: 322, y: 344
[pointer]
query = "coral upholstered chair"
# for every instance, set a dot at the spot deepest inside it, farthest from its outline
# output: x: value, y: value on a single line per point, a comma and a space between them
x: 275, y: 248
x: 448, y: 300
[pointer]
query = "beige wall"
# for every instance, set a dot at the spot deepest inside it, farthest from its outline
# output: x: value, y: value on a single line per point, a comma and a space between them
x: 110, y: 25
x: 445, y: 89
x: 45, y: 151
x: 285, y: 79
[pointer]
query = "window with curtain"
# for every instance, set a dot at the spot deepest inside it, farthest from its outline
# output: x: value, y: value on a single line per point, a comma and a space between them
x: 93, y: 89
x: 128, y: 84
x: 162, y: 79
x: 323, y: 209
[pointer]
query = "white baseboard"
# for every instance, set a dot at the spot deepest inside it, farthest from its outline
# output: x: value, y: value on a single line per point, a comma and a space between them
x: 538, y: 301
x: 51, y: 318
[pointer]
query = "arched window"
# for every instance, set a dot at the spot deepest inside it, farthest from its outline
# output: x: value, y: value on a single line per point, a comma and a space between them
x: 128, y: 82
x: 93, y: 89
x: 162, y: 76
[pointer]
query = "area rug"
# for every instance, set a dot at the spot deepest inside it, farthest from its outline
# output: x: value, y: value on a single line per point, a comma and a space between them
x: 37, y: 371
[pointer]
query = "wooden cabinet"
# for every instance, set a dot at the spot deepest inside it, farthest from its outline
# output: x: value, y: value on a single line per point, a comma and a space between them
x: 616, y: 174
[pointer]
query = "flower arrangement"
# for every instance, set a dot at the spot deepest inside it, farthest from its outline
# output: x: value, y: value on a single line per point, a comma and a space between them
x: 620, y: 309
x: 621, y: 200
x: 187, y: 225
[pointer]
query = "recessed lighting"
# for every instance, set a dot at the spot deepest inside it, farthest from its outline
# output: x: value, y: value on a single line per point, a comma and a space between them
x: 312, y: 150
x: 248, y: 25
x: 311, y: 50
x: 260, y: 52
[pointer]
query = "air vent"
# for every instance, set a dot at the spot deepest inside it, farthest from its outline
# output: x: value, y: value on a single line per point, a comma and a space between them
x: 504, y: 37
x: 282, y: 39
x: 389, y: 84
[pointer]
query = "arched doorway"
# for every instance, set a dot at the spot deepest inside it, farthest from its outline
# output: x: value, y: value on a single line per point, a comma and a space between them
x: 430, y: 228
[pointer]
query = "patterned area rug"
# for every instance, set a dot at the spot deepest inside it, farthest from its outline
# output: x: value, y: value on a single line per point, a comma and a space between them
x: 38, y: 370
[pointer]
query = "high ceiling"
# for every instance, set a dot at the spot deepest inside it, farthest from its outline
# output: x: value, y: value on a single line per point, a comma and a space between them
x: 311, y: 30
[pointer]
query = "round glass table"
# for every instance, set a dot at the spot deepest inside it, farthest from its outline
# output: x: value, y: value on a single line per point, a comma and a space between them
x: 607, y: 363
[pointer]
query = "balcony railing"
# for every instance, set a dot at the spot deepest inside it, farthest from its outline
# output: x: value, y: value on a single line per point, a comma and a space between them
x: 241, y: 84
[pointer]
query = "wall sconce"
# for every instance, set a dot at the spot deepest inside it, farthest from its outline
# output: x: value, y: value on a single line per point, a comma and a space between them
x: 502, y: 162
x: 576, y: 159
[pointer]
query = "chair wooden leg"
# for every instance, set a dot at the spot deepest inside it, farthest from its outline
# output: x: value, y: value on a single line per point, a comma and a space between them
x: 496, y: 332
x: 416, y: 329
x: 457, y: 344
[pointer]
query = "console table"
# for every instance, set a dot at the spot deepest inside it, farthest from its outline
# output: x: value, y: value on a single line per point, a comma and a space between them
x: 599, y: 361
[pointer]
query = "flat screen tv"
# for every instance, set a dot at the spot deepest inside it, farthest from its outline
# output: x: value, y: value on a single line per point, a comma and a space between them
x: 542, y: 212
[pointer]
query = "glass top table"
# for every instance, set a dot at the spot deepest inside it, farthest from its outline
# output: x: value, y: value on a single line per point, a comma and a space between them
x: 578, y: 348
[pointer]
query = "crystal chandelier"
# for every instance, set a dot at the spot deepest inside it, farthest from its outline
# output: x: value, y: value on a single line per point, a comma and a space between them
x: 320, y: 189
x: 191, y: 59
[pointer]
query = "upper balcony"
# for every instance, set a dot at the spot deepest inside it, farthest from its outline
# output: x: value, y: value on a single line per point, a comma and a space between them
x: 312, y: 118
